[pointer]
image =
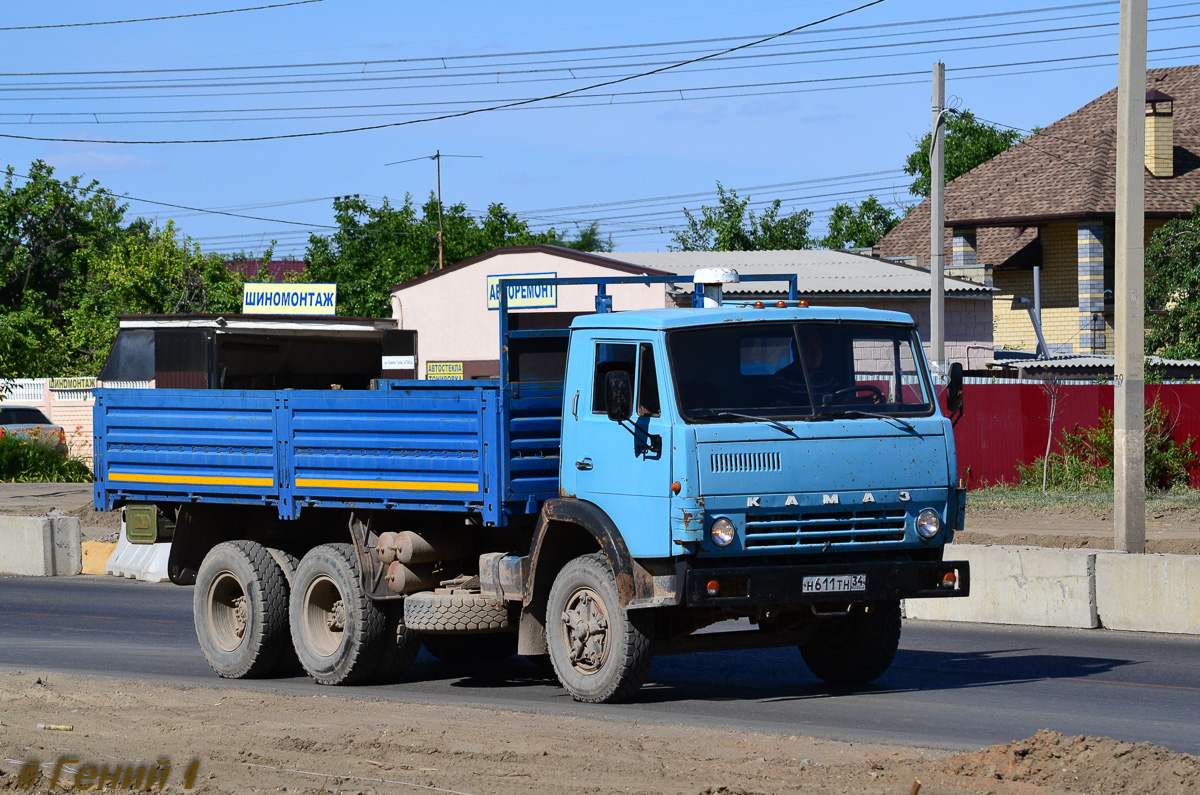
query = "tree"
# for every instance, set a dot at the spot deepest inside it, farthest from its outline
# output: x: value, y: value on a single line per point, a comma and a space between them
x: 150, y: 271
x: 1173, y: 289
x: 859, y: 225
x: 969, y: 142
x: 50, y: 233
x: 731, y: 226
x: 375, y: 248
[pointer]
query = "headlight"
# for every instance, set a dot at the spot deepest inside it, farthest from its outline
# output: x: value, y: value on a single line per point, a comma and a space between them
x: 721, y: 532
x: 928, y: 523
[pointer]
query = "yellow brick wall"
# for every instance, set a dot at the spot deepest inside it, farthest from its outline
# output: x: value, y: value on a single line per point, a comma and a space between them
x: 1060, y: 293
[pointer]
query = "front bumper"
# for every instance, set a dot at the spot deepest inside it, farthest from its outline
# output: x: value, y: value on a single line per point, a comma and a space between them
x: 783, y: 585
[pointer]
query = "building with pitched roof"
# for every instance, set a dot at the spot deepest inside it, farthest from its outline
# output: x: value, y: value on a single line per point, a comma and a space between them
x: 1047, y: 205
x: 453, y: 310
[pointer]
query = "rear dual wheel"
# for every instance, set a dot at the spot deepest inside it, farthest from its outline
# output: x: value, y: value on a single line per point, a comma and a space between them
x: 240, y: 610
x: 341, y: 636
x: 857, y: 648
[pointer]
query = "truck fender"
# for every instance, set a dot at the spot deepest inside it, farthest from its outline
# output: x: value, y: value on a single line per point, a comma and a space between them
x: 551, y: 548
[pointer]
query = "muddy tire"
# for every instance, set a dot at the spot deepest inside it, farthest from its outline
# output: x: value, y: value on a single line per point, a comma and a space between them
x: 471, y: 648
x: 858, y: 648
x: 288, y: 664
x: 400, y: 647
x: 240, y: 610
x: 451, y: 613
x: 600, y: 652
x: 337, y: 631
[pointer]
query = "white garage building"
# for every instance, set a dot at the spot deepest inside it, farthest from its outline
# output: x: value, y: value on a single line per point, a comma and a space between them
x: 454, y: 310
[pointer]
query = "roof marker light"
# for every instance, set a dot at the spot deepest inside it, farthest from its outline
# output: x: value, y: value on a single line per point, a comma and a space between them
x: 781, y: 304
x: 758, y: 304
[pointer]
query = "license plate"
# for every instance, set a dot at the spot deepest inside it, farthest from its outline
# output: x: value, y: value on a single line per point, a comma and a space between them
x: 836, y: 583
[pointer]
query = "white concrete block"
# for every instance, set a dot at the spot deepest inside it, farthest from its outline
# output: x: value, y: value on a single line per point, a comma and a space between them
x: 1035, y: 586
x: 67, y: 544
x: 26, y: 546
x: 1149, y: 593
x: 40, y: 546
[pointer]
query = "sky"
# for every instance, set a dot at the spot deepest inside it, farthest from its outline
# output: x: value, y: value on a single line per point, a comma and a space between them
x: 824, y: 114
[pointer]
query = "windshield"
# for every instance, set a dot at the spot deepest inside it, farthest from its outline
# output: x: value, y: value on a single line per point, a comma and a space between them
x: 797, y: 370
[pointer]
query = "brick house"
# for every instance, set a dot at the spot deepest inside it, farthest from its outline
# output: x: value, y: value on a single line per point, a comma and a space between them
x: 1048, y: 203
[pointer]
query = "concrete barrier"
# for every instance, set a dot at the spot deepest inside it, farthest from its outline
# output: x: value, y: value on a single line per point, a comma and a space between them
x: 139, y: 561
x: 1035, y: 586
x: 40, y: 546
x: 1149, y: 593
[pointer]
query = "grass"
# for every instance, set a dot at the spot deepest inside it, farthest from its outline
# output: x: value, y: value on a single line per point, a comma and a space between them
x: 1003, y: 498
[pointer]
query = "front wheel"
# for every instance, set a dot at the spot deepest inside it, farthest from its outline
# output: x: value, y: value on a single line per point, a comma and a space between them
x: 600, y: 652
x: 857, y: 648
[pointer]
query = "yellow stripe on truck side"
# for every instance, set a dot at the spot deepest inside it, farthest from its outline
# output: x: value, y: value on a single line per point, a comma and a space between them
x: 396, y: 485
x: 198, y: 480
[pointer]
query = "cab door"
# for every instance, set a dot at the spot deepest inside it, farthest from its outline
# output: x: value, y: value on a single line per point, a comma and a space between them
x: 623, y: 467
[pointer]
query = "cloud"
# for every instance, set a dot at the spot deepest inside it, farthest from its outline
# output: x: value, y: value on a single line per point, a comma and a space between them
x: 98, y: 162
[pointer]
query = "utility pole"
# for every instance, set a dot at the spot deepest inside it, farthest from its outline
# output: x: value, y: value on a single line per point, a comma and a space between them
x: 1129, y: 321
x: 436, y: 156
x: 937, y: 222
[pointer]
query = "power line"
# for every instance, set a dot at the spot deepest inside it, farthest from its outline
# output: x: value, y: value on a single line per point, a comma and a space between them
x: 160, y: 19
x: 460, y: 114
x: 374, y: 78
x: 603, y: 48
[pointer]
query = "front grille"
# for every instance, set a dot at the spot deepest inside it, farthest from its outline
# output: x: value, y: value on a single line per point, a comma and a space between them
x: 824, y: 529
x: 746, y: 462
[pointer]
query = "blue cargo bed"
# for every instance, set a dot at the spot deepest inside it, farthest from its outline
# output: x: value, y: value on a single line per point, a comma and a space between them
x: 415, y: 445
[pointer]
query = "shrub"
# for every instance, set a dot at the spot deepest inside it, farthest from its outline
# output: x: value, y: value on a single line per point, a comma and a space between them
x: 1086, y: 460
x: 25, y: 461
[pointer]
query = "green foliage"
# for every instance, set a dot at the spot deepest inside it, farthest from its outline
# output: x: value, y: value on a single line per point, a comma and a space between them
x: 50, y: 232
x: 969, y: 142
x: 1173, y: 288
x: 1086, y: 461
x: 731, y: 226
x: 69, y: 265
x: 150, y: 271
x: 859, y: 225
x: 375, y: 248
x: 24, y: 461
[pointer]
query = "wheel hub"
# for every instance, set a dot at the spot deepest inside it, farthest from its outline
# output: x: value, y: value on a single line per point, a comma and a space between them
x: 336, y: 621
x: 585, y: 624
x: 241, y: 616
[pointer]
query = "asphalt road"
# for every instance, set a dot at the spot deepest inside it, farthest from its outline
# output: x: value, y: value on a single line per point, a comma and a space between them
x: 951, y: 686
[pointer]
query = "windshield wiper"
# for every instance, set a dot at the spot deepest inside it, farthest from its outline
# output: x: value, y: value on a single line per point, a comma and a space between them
x: 717, y: 415
x: 858, y: 413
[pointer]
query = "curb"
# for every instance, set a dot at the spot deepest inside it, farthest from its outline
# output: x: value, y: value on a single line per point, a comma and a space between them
x: 1089, y: 589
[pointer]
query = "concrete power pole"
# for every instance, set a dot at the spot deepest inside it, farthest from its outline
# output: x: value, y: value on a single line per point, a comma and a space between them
x: 937, y: 221
x: 1129, y: 399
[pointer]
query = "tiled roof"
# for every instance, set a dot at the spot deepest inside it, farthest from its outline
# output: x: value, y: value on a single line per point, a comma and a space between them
x: 1067, y: 170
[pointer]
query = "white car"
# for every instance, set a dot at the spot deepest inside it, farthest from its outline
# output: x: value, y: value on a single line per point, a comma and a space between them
x: 28, y: 422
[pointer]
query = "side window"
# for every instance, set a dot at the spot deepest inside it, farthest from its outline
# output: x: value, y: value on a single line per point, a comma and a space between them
x: 611, y: 356
x: 648, y: 404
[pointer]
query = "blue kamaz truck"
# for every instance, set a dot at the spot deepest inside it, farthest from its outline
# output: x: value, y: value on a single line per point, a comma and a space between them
x: 624, y: 484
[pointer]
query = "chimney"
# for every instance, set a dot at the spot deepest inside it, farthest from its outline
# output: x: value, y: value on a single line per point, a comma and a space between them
x: 1160, y: 128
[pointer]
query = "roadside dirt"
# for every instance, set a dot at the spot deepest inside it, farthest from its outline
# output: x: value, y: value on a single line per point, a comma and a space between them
x: 256, y: 742
x: 1175, y: 531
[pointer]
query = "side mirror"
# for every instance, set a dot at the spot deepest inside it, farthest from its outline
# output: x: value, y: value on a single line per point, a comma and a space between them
x: 954, y: 389
x: 618, y: 395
